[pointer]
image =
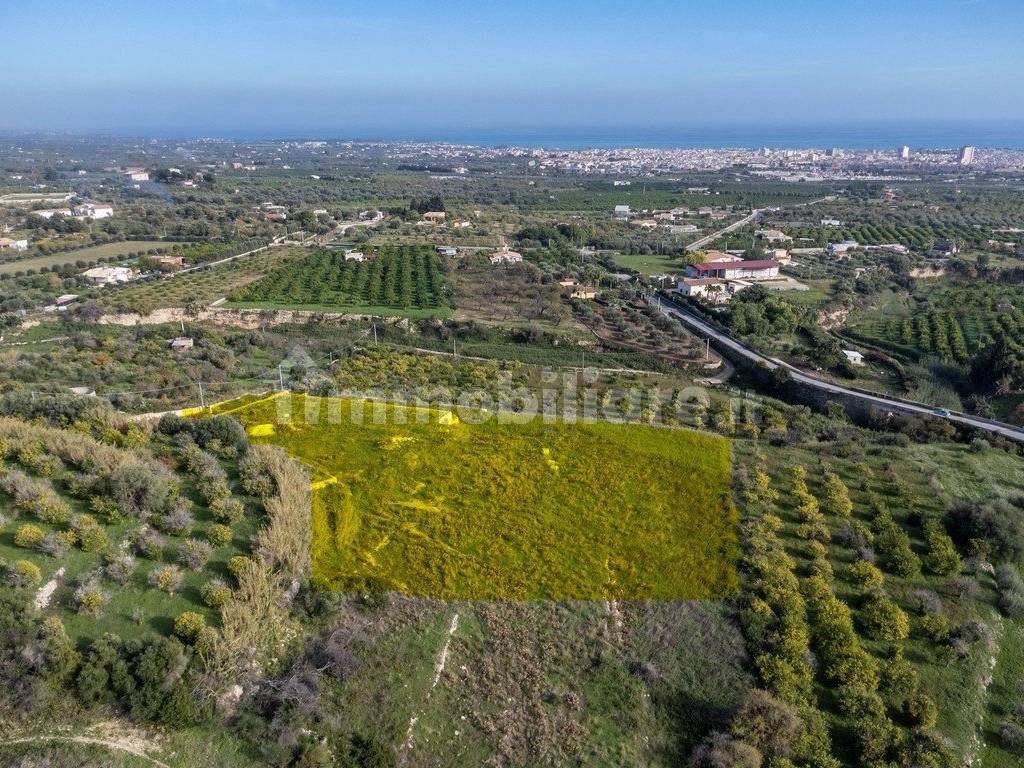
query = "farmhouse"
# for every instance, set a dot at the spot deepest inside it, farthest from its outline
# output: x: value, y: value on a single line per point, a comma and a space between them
x: 622, y: 211
x: 461, y: 224
x: 108, y: 275
x: 447, y: 250
x: 9, y: 244
x: 275, y: 216
x: 701, y: 287
x: 764, y: 269
x: 93, y: 211
x: 854, y: 357
x: 505, y: 256
x: 170, y: 261
x: 434, y: 216
x: 945, y: 248
x: 773, y: 235
x: 841, y: 248
x: 355, y: 256
x: 181, y: 342
x: 136, y: 174
x: 683, y: 229
x: 587, y: 292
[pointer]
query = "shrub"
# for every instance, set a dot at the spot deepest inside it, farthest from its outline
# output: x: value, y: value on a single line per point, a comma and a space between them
x: 135, y: 488
x: 865, y: 575
x: 219, y: 535
x: 720, y: 750
x: 28, y: 536
x: 996, y: 527
x: 882, y: 619
x: 167, y: 578
x: 257, y: 480
x: 942, y: 557
x: 119, y: 567
x: 148, y: 543
x: 105, y: 509
x: 89, y: 598
x: 90, y: 534
x: 188, y: 625
x: 195, y: 554
x: 57, y: 544
x: 934, y: 628
x: 921, y: 711
x: 227, y: 510
x: 893, y: 547
x: 925, y: 601
x: 205, y: 641
x: 178, y: 521
x: 837, y: 496
x: 766, y: 723
x: 215, y: 593
x: 1012, y: 736
x: 238, y: 564
x: 24, y: 574
x: 35, y: 497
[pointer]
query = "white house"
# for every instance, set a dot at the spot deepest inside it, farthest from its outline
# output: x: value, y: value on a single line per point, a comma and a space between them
x: 355, y: 256
x: 108, y: 275
x: 447, y: 250
x: 622, y: 211
x: 702, y: 287
x: 683, y: 229
x: 136, y: 174
x: 93, y: 211
x: 854, y: 357
x: 505, y: 256
x: 9, y: 244
x: 842, y: 247
x: 773, y: 235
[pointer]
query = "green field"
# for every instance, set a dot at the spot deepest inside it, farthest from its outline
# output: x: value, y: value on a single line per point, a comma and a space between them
x: 88, y: 255
x: 203, y: 285
x: 510, y: 511
x: 404, y: 280
x: 649, y: 264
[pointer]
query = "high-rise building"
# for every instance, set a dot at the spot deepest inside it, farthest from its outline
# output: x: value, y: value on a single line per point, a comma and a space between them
x: 904, y: 152
x: 966, y: 155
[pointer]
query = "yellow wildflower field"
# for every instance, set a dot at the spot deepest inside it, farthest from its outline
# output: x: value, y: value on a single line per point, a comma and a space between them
x: 508, y: 511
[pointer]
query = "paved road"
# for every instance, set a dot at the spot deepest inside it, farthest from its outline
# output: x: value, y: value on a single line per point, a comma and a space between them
x: 696, y: 245
x: 893, y: 404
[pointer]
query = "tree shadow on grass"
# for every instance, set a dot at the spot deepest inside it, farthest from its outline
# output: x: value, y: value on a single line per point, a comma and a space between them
x: 162, y: 624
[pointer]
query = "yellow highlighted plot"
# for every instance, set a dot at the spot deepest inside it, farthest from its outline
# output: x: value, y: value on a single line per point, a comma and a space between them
x: 435, y: 507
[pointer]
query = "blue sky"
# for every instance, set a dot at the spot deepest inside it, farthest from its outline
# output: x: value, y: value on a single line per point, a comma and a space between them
x: 402, y: 67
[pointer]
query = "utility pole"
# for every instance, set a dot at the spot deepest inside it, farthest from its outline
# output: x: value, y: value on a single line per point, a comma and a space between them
x: 707, y: 350
x: 280, y: 376
x: 202, y: 397
x: 374, y: 333
x: 455, y: 352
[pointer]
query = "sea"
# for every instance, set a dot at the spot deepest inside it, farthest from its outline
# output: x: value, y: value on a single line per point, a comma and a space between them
x: 930, y: 135
x: 852, y: 134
